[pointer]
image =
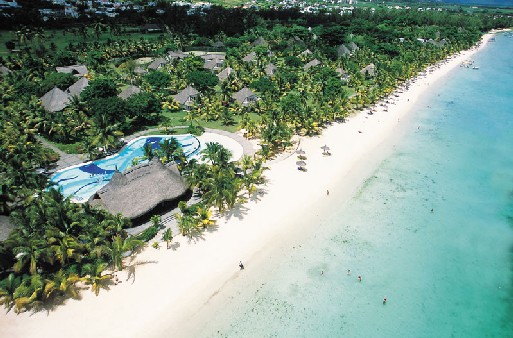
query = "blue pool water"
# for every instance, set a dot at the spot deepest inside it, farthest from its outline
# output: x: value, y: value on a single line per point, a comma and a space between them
x: 81, y: 181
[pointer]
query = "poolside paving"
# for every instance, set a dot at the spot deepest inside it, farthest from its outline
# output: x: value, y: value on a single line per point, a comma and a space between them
x: 65, y: 160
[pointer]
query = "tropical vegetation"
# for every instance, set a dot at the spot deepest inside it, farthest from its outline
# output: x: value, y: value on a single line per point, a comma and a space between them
x: 307, y: 70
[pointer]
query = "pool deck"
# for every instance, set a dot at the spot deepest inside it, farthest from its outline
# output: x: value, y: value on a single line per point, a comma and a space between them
x: 247, y: 147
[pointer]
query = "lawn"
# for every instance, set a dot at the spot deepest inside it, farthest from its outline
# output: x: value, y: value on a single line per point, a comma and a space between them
x: 177, y: 119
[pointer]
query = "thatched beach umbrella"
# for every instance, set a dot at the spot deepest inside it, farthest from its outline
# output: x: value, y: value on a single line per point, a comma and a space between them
x: 301, y: 165
x: 325, y: 150
x: 300, y: 151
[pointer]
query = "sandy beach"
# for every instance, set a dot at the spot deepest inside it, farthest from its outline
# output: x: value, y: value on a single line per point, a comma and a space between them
x: 168, y: 292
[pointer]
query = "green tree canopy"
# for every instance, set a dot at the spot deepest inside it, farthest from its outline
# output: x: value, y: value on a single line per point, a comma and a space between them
x: 202, y: 79
x: 54, y: 79
x: 158, y: 79
x: 144, y: 107
x: 102, y: 87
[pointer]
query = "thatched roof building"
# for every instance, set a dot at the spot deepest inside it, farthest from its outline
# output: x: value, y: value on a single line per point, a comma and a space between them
x: 55, y: 100
x: 214, y: 64
x: 250, y: 57
x: 270, y: 69
x: 157, y: 63
x: 79, y: 70
x: 6, y: 227
x: 342, y: 50
x: 259, y: 42
x: 4, y: 70
x: 140, y: 189
x: 245, y: 96
x: 129, y: 91
x: 77, y: 88
x: 177, y: 55
x: 353, y: 46
x: 223, y: 75
x: 186, y: 96
x: 370, y: 70
x: 312, y: 63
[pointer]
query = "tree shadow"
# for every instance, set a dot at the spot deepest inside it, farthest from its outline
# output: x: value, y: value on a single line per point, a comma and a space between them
x: 132, y: 267
x: 257, y: 195
x: 174, y: 246
x: 238, y: 211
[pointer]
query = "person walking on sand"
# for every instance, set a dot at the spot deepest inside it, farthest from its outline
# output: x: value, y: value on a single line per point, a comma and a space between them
x: 327, y: 192
x: 241, y: 266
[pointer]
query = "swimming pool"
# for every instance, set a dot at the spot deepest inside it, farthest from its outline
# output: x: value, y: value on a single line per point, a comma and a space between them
x: 81, y: 181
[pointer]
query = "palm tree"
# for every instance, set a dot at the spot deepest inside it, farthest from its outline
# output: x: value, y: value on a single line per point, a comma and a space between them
x: 94, y: 277
x: 7, y: 290
x: 216, y: 154
x: 168, y: 237
x: 120, y: 246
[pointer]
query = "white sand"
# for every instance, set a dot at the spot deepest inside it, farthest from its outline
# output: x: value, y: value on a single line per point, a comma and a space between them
x: 172, y: 286
x: 233, y: 146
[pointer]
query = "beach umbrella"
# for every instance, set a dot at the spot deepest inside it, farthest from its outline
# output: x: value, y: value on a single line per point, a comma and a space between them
x: 300, y: 152
x: 325, y: 150
x: 300, y: 163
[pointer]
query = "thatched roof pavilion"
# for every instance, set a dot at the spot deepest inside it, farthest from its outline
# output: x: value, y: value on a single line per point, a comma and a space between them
x: 140, y: 189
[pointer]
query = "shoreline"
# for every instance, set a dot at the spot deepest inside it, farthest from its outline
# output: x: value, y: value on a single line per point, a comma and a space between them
x: 207, y: 266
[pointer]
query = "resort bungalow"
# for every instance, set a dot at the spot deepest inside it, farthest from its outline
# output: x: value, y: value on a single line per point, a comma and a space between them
x: 77, y: 88
x: 270, y: 69
x: 306, y: 52
x: 176, y: 55
x: 370, y: 70
x: 342, y: 50
x: 295, y: 41
x: 141, y: 189
x: 259, y: 42
x: 157, y: 63
x: 186, y: 97
x: 245, y: 96
x: 250, y: 57
x: 213, y: 64
x: 77, y: 70
x: 6, y: 227
x: 353, y: 47
x: 223, y: 75
x: 218, y: 44
x: 151, y: 28
x: 311, y: 64
x: 342, y: 73
x: 129, y: 91
x: 55, y: 100
x: 4, y: 70
x: 139, y: 70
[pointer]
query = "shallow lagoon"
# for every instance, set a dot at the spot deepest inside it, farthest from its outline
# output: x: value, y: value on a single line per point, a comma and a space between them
x: 431, y: 229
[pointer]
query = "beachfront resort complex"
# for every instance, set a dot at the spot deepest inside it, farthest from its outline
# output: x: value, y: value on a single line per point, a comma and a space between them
x: 254, y: 160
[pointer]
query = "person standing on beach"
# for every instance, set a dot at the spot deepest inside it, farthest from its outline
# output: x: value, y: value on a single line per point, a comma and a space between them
x: 241, y: 266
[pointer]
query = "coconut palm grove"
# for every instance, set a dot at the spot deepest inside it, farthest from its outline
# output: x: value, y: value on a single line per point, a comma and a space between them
x: 84, y: 84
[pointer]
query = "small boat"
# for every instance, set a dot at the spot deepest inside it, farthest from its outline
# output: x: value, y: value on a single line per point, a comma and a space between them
x: 475, y: 67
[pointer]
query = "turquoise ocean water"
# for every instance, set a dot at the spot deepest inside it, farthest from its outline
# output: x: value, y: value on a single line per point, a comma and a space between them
x: 446, y: 272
